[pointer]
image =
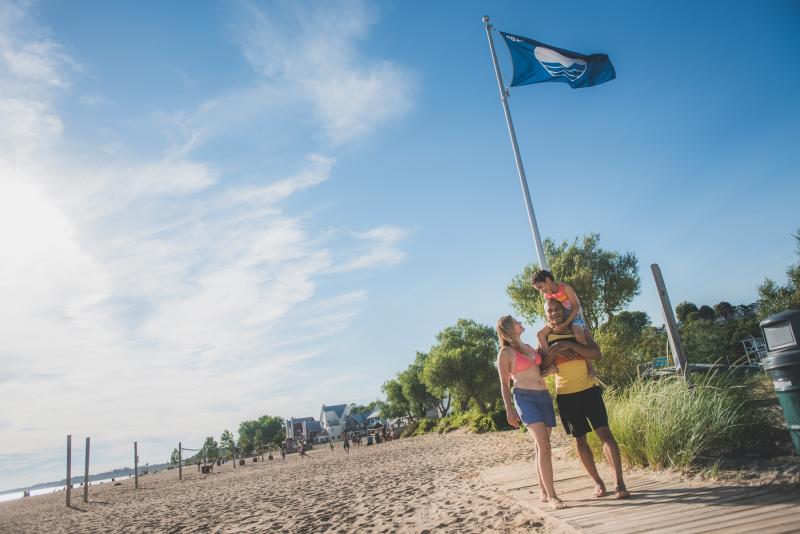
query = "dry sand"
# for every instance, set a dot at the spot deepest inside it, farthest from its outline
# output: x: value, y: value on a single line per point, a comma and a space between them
x: 430, y: 483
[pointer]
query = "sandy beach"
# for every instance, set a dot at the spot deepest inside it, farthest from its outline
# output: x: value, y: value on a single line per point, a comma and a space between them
x: 424, y: 484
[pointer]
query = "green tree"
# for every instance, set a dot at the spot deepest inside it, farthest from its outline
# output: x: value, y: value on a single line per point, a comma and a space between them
x: 280, y: 437
x: 268, y: 428
x: 174, y: 457
x: 606, y: 281
x: 247, y: 435
x: 625, y: 347
x: 210, y: 448
x: 693, y: 316
x: 773, y: 297
x: 257, y: 433
x: 226, y: 441
x: 397, y: 404
x: 705, y: 341
x: 416, y: 392
x: 725, y: 310
x: 707, y: 313
x: 683, y: 310
x: 462, y: 362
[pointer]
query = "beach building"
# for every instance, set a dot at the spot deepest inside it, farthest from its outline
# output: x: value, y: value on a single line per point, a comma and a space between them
x: 374, y: 419
x: 355, y: 422
x: 333, y: 419
x: 295, y: 427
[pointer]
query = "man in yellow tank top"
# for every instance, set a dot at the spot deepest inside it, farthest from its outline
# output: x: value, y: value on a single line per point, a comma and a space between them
x: 580, y: 401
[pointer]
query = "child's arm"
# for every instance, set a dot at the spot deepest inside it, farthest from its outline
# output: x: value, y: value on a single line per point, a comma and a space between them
x: 542, y: 337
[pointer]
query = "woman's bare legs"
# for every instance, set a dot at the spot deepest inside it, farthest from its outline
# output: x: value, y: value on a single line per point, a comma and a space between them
x: 542, y: 490
x: 544, y: 462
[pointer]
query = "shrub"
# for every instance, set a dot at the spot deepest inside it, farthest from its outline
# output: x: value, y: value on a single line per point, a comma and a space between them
x: 481, y: 422
x: 424, y: 426
x: 409, y: 430
x: 666, y: 423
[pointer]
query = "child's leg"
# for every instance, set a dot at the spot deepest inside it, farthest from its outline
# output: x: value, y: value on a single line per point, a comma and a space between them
x: 577, y: 331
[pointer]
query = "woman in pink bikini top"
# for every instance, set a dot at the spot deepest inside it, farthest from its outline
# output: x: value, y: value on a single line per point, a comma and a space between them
x: 532, y: 404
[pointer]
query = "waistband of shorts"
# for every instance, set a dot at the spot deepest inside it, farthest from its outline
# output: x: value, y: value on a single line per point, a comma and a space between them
x: 522, y: 391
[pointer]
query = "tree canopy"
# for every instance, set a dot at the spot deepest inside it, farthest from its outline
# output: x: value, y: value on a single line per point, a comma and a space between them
x: 462, y: 362
x: 773, y: 297
x: 606, y: 281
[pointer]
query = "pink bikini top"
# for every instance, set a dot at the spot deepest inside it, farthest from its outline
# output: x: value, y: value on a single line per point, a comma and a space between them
x: 523, y: 362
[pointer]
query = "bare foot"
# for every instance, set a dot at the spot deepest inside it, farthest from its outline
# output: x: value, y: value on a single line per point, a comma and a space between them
x: 600, y: 490
x: 543, y: 496
x: 557, y: 504
x: 621, y: 493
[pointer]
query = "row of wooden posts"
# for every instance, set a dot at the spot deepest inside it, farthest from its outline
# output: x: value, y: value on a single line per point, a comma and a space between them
x: 68, y: 486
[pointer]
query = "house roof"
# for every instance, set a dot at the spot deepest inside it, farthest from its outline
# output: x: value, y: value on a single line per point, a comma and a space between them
x: 375, y: 414
x: 361, y: 418
x: 312, y: 426
x: 299, y: 419
x: 337, y: 409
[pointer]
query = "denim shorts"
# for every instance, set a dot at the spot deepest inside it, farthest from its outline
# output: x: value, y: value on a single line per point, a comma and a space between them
x: 535, y: 406
x: 579, y: 320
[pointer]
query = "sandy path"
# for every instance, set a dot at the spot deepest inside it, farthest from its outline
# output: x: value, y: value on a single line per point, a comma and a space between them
x: 430, y: 483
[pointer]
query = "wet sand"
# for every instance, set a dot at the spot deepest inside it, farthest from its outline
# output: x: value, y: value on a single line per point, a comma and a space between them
x: 425, y: 484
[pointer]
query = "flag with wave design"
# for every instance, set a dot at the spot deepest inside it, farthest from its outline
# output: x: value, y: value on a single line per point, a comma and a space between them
x: 536, y: 62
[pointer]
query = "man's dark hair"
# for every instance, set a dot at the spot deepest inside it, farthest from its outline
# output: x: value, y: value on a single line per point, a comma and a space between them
x: 541, y: 276
x: 556, y: 302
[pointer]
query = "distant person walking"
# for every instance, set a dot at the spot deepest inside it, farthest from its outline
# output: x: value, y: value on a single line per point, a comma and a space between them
x: 346, y: 445
x: 330, y: 442
x: 531, y: 403
x: 580, y: 401
x: 283, y: 452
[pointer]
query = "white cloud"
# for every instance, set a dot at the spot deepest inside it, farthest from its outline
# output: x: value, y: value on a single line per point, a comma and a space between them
x: 151, y: 291
x: 379, y: 250
x: 308, y: 56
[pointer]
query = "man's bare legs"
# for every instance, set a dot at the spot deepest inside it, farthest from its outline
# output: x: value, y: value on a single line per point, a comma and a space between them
x: 544, y: 462
x: 611, y: 452
x: 587, y: 459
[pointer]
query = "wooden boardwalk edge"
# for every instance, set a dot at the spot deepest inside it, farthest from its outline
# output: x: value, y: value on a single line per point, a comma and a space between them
x: 661, y: 502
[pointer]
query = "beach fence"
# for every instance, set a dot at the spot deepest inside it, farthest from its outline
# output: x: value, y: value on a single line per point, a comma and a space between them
x: 68, y: 485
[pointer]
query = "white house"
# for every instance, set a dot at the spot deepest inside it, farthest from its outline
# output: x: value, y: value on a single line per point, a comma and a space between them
x: 374, y: 418
x: 333, y: 418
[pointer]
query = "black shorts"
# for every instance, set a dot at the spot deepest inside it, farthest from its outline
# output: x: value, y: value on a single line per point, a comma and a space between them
x: 579, y: 410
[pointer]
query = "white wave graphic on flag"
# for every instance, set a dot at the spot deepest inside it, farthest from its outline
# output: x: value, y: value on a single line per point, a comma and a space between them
x: 558, y: 64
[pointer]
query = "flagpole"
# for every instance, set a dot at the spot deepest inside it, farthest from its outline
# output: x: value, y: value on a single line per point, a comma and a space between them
x: 520, y: 169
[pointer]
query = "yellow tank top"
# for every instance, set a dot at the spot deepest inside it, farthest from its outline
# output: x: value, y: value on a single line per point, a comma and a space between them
x: 573, y: 377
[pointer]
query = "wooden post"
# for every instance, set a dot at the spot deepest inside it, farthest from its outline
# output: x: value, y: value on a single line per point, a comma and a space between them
x: 180, y: 461
x: 69, y: 467
x: 86, y: 474
x: 233, y: 455
x: 669, y: 319
x: 135, y: 465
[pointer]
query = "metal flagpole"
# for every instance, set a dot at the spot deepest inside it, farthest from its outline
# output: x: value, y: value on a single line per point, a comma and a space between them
x: 522, y: 179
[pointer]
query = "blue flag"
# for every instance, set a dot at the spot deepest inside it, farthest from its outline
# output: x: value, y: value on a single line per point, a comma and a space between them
x: 536, y: 62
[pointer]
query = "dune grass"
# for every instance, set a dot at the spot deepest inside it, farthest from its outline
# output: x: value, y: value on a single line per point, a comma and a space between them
x: 669, y: 424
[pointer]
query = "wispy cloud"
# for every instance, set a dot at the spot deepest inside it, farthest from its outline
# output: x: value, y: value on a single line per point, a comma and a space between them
x: 379, y: 248
x: 159, y: 290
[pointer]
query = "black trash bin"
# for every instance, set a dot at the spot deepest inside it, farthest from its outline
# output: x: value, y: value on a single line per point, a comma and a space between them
x: 782, y: 334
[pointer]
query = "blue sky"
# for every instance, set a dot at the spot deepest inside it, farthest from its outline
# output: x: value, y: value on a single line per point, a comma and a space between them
x: 212, y: 211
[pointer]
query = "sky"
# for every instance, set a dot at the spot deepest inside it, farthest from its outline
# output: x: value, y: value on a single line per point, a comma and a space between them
x: 219, y: 210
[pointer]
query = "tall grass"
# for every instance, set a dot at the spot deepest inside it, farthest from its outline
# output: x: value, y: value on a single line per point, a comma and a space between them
x: 669, y: 424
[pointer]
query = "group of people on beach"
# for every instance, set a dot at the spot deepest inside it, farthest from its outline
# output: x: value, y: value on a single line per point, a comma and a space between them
x: 566, y: 350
